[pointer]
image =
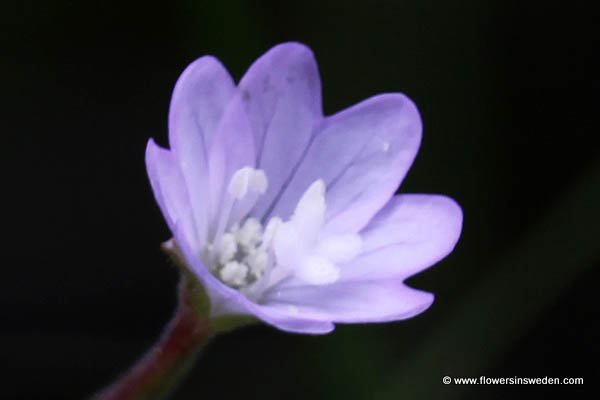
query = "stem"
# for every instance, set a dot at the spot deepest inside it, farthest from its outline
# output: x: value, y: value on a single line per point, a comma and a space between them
x: 156, y: 374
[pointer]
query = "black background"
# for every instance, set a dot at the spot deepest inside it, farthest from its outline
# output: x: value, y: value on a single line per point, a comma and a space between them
x: 508, y: 95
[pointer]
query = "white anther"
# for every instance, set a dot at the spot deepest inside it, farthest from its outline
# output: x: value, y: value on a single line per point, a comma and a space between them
x: 250, y: 234
x: 240, y: 259
x: 257, y: 262
x: 386, y: 146
x: 234, y: 273
x: 227, y: 248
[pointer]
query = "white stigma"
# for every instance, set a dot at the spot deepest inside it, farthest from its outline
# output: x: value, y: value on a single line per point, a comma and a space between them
x: 301, y: 245
x: 246, y: 179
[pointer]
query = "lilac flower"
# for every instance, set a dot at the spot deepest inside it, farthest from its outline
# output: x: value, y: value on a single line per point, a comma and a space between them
x: 290, y: 216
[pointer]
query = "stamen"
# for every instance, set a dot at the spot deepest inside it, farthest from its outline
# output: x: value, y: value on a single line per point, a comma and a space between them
x: 243, y: 190
x: 242, y: 255
x: 227, y: 248
x: 250, y: 234
x: 249, y: 258
x: 234, y: 273
x: 257, y: 262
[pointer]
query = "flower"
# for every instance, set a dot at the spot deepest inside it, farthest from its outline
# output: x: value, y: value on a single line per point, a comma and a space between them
x: 289, y: 216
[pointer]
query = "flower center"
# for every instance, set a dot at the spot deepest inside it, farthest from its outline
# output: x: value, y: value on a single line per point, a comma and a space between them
x: 247, y: 256
x: 242, y: 255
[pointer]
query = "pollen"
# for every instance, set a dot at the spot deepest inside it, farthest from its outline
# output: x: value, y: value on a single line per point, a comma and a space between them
x: 242, y: 254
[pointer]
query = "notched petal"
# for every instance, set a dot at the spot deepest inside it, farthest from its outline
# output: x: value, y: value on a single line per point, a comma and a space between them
x: 282, y: 96
x: 362, y: 154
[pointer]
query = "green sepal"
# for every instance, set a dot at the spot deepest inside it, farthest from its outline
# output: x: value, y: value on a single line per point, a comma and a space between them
x: 199, y: 299
x: 189, y: 284
x: 226, y: 323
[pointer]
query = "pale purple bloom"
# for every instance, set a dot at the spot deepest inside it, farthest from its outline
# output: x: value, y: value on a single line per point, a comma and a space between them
x: 290, y: 216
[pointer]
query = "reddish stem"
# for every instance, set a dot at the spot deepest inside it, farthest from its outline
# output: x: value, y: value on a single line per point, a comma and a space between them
x: 156, y: 374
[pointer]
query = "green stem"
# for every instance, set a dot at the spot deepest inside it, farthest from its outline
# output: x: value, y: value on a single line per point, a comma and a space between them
x: 157, y: 373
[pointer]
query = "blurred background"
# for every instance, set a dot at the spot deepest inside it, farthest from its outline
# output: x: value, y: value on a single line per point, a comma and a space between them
x: 508, y: 92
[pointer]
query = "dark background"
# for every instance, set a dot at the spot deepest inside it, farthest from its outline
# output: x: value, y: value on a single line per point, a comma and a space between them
x: 508, y: 92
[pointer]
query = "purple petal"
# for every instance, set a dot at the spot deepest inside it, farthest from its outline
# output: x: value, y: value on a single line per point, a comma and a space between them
x: 367, y: 301
x: 410, y: 234
x: 291, y: 323
x: 281, y: 94
x: 199, y: 100
x: 362, y: 154
x: 232, y: 149
x: 169, y: 190
x: 225, y: 300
